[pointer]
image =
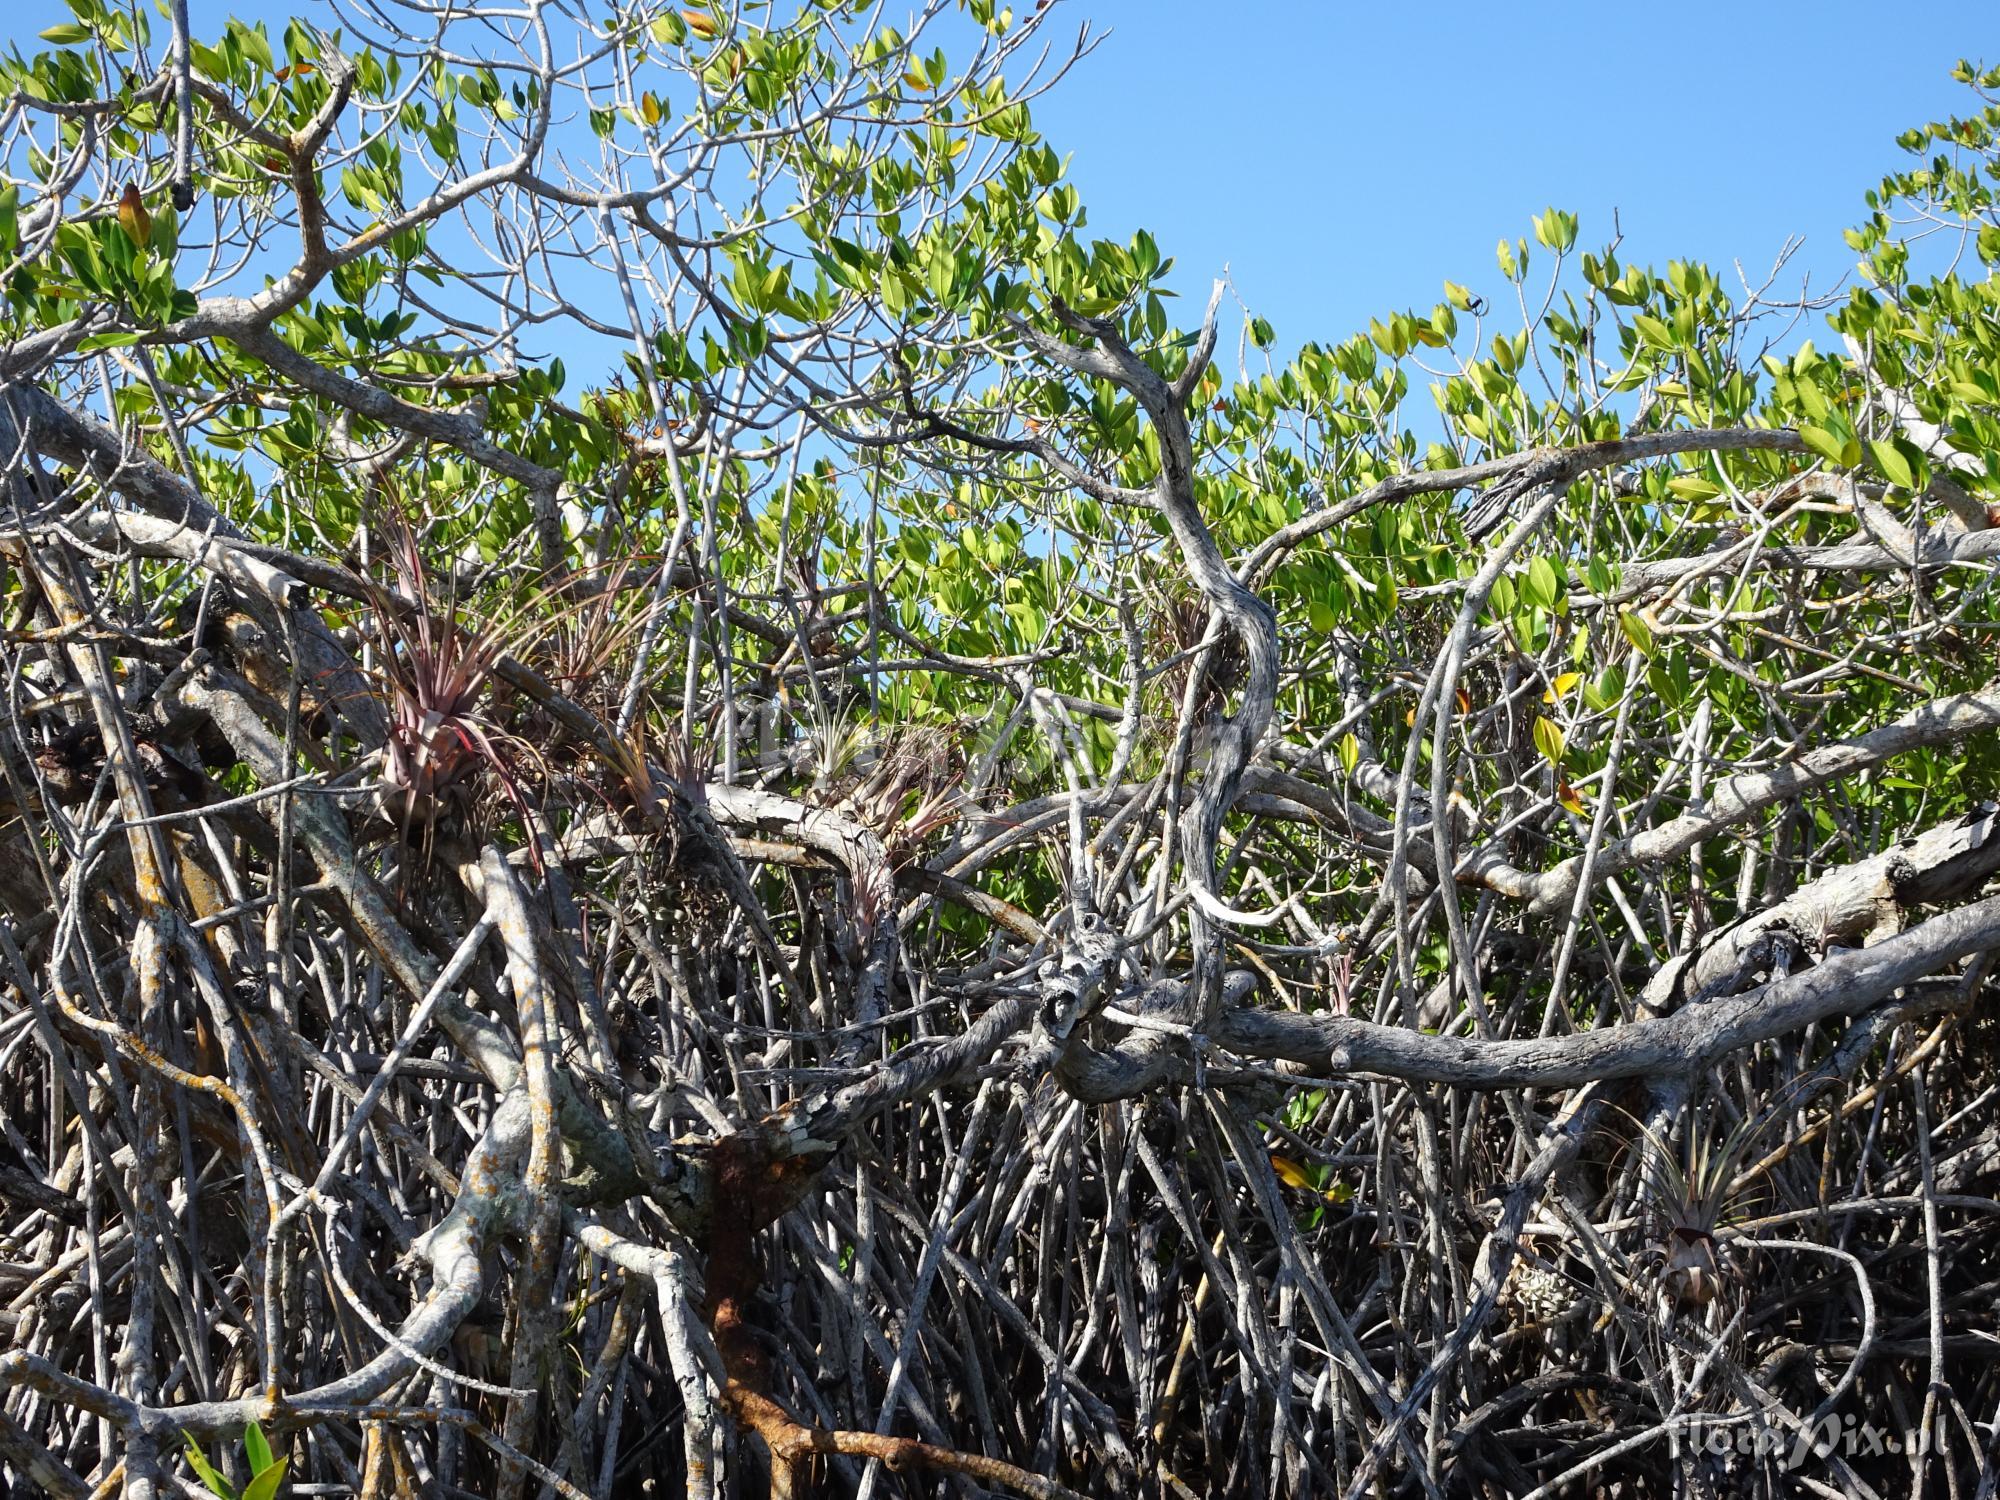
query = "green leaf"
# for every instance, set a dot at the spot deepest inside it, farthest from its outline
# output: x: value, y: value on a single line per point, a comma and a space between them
x: 1653, y: 331
x: 1826, y: 444
x: 1555, y: 229
x: 895, y: 294
x: 1541, y: 587
x: 67, y: 34
x: 1549, y: 740
x: 256, y: 1449
x: 254, y: 44
x: 1350, y: 753
x: 265, y: 1485
x: 1891, y: 460
x: 1605, y: 690
x: 1637, y: 631
x: 107, y: 341
x: 207, y: 1471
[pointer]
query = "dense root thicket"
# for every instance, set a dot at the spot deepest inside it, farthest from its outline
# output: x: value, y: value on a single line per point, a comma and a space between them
x: 941, y: 899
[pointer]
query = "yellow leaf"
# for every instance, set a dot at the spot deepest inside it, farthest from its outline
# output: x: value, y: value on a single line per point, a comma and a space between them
x: 1560, y: 688
x: 917, y: 81
x: 649, y: 107
x: 701, y: 25
x: 133, y: 218
x: 1291, y: 1174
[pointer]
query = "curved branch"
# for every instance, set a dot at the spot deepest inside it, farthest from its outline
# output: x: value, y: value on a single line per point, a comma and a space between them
x: 1691, y: 1039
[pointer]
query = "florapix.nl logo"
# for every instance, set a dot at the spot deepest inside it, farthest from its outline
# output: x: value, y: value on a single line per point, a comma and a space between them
x: 1835, y: 1434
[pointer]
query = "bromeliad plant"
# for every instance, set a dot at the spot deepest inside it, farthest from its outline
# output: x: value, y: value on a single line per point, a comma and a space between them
x: 1693, y: 1191
x: 438, y: 675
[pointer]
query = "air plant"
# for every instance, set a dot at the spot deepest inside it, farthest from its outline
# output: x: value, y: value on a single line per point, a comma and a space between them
x: 688, y: 762
x: 937, y: 807
x: 685, y: 765
x: 629, y: 763
x: 1341, y: 973
x: 587, y: 640
x: 1692, y: 1193
x: 903, y: 784
x: 838, y: 738
x: 909, y: 789
x: 1177, y: 633
x: 438, y: 675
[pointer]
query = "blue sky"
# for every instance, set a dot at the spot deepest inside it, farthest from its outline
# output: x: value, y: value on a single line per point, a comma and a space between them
x: 1343, y: 159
